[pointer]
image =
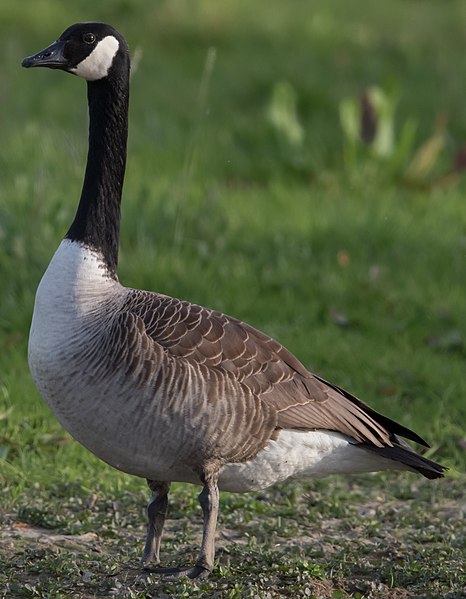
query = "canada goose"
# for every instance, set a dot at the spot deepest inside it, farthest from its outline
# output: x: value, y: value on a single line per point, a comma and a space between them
x: 164, y: 389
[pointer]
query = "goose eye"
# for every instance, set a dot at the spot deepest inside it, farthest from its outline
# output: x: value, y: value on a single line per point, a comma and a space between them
x: 89, y: 38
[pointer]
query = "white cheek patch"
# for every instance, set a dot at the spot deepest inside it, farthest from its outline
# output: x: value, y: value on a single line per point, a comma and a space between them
x: 99, y: 61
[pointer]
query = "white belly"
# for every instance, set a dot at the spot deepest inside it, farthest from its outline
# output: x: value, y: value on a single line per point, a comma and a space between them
x: 301, y: 454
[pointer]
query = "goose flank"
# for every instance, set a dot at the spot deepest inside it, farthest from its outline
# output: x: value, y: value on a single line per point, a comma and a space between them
x: 165, y: 389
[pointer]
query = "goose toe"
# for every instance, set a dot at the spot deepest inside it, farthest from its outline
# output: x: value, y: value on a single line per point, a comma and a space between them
x: 196, y: 571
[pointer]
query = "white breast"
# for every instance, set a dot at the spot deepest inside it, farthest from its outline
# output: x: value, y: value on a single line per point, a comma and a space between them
x: 74, y: 286
x: 72, y: 299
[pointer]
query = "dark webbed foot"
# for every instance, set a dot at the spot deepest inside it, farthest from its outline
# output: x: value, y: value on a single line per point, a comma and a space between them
x: 198, y: 572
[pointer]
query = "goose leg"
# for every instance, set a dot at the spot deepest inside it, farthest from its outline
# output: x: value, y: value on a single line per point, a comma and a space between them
x: 209, y: 500
x: 156, y: 512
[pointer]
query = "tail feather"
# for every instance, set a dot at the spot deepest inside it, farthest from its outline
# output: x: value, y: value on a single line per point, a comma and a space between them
x: 409, y: 458
x: 395, y: 428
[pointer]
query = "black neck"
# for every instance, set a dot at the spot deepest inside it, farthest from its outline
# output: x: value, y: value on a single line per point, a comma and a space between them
x: 97, y: 220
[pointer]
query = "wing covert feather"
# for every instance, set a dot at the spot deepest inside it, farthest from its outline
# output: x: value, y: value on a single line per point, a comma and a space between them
x: 263, y: 366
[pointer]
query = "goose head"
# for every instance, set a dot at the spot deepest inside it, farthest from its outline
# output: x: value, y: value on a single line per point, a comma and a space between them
x: 92, y: 51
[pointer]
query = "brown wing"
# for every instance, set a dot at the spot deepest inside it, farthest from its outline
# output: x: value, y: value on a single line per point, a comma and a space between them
x: 301, y: 400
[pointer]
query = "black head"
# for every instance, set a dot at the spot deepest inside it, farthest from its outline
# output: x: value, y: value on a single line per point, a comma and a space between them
x: 90, y: 50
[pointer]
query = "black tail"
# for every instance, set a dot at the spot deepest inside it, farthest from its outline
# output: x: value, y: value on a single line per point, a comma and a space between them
x: 400, y: 451
x: 393, y: 427
x: 409, y: 458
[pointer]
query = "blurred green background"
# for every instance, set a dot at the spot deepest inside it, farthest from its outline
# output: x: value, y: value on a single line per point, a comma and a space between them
x: 298, y: 165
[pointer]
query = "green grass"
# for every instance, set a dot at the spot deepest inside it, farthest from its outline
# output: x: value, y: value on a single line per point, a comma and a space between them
x: 326, y: 247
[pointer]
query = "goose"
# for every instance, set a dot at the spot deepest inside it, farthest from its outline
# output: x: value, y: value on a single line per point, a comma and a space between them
x: 164, y: 389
